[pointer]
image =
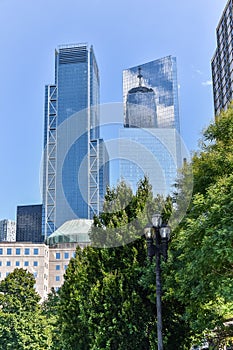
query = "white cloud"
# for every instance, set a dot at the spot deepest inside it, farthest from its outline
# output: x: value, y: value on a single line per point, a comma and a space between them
x: 207, y: 83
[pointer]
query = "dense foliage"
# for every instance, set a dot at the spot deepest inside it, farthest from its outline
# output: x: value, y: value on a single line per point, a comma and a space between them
x: 22, y: 325
x: 108, y: 299
x: 201, y: 252
x: 101, y: 296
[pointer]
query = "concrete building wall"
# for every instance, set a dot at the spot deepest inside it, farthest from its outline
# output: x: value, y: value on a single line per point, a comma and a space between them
x: 47, y: 264
x: 29, y: 256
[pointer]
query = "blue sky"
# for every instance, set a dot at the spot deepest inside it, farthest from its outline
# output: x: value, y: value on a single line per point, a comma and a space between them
x: 124, y: 34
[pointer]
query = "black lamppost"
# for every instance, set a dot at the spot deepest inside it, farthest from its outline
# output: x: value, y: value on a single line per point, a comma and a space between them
x: 157, y: 237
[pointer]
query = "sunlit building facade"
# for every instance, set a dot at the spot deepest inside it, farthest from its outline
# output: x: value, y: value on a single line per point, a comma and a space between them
x: 46, y: 261
x: 72, y: 180
x: 33, y: 257
x: 7, y: 230
x: 150, y: 140
x: 222, y: 61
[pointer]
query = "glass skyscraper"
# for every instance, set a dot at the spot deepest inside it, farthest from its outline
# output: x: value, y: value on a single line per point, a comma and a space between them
x: 152, y: 87
x: 150, y: 142
x: 74, y: 174
x: 222, y: 61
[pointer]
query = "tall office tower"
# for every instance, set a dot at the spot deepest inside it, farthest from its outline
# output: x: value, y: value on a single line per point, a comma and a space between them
x: 29, y: 223
x: 150, y: 141
x: 151, y: 87
x: 74, y: 174
x: 222, y: 61
x: 7, y: 231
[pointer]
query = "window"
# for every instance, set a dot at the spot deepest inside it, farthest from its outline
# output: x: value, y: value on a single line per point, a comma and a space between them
x: 26, y: 263
x: 1, y: 251
x: 58, y: 255
x: 66, y: 255
x: 35, y: 274
x: 36, y: 251
x: 26, y: 251
x: 8, y: 263
x: 57, y: 278
x: 17, y: 251
x: 0, y: 263
x: 17, y: 263
x: 9, y: 251
x: 35, y: 263
x: 65, y: 267
x: 57, y: 267
x: 7, y: 273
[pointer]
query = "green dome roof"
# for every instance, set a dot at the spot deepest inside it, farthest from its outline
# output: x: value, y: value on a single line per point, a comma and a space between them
x: 73, y: 231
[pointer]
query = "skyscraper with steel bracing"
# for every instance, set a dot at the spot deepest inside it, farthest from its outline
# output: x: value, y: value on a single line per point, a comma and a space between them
x: 222, y: 61
x: 150, y: 141
x: 75, y: 172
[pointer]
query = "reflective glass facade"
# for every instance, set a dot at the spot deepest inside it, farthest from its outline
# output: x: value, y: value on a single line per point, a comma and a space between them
x: 155, y: 153
x: 150, y: 142
x: 222, y: 61
x: 71, y: 128
x: 160, y: 96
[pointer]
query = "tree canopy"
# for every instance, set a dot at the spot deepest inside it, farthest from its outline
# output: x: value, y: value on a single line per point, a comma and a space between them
x: 108, y: 299
x: 201, y: 253
x: 22, y: 325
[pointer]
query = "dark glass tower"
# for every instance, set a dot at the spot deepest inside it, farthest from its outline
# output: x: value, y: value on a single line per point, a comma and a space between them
x: 72, y: 182
x: 29, y: 223
x: 222, y: 61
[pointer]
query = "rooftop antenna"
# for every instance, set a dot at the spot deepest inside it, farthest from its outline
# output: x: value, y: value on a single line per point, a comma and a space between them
x: 139, y: 76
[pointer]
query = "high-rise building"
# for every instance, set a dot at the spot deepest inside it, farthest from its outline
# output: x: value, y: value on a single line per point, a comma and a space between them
x: 7, y: 230
x: 222, y: 61
x: 151, y: 88
x: 29, y: 223
x: 150, y: 143
x: 73, y: 175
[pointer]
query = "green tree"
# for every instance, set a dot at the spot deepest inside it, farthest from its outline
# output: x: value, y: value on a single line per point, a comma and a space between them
x: 108, y: 298
x: 199, y: 270
x: 102, y: 304
x: 22, y: 325
x: 17, y: 292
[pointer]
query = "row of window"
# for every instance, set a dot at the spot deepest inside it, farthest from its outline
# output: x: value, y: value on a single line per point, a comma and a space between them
x: 19, y: 251
x: 17, y: 263
x: 27, y: 263
x: 35, y: 274
x: 66, y: 255
x: 58, y: 267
